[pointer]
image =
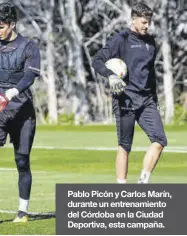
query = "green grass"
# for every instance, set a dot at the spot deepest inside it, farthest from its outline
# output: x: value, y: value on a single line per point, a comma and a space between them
x: 96, y: 128
x: 77, y: 166
x: 39, y: 227
x: 100, y: 136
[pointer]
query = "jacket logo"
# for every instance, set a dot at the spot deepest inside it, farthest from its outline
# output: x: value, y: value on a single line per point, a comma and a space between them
x: 128, y: 103
x: 127, y: 106
x: 147, y: 46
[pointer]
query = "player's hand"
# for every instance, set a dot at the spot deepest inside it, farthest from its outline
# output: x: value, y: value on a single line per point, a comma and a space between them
x: 117, y: 85
x: 11, y: 93
x: 3, y: 102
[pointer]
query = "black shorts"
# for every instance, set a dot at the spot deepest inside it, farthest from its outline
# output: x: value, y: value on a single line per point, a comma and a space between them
x: 20, y: 125
x: 148, y: 118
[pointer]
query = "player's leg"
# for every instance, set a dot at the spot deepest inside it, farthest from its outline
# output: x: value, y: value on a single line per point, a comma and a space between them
x: 125, y: 121
x: 150, y: 121
x: 24, y: 184
x: 3, y: 136
x: 4, y: 123
x: 22, y: 137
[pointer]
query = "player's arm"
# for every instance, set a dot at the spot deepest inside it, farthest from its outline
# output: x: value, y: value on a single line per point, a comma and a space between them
x: 31, y: 71
x: 110, y: 50
x: 153, y: 73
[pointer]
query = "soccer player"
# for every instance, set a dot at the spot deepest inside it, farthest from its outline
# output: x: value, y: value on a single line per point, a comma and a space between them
x: 138, y: 100
x: 19, y: 66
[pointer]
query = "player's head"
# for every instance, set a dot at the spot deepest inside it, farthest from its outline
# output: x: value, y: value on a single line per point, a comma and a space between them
x: 8, y: 19
x: 141, y: 16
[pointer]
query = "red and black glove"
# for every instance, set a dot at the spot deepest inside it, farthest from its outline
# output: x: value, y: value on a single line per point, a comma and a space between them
x: 5, y: 99
x: 3, y: 102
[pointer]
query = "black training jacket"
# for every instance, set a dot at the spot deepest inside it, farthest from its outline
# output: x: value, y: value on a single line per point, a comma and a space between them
x: 138, y: 52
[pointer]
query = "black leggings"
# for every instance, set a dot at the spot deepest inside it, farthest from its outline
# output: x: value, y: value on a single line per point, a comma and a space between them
x: 25, y: 176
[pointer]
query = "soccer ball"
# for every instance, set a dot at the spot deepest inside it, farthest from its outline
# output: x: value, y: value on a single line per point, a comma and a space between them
x: 117, y: 66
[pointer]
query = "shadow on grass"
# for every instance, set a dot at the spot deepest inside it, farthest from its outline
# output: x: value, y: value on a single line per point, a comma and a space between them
x: 42, y: 217
x: 32, y: 217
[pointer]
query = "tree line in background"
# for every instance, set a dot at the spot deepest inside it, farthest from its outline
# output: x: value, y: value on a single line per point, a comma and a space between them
x: 69, y: 33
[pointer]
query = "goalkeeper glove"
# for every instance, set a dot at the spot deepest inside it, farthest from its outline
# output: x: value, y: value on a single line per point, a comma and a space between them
x: 11, y: 93
x: 3, y: 102
x: 117, y: 85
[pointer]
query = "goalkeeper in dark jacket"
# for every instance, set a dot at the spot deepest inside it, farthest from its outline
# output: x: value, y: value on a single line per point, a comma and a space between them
x: 139, y: 100
x: 19, y: 65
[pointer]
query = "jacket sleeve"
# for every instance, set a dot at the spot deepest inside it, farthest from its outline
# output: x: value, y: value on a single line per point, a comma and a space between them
x: 152, y: 67
x: 110, y: 50
x: 31, y: 66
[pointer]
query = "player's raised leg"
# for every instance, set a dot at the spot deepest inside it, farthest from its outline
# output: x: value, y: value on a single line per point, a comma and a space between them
x: 151, y: 123
x: 150, y: 160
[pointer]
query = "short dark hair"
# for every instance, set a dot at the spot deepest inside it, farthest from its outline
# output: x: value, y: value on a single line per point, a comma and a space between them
x: 8, y: 13
x: 141, y: 10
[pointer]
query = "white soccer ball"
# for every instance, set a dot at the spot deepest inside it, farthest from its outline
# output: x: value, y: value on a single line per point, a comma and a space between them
x: 118, y: 66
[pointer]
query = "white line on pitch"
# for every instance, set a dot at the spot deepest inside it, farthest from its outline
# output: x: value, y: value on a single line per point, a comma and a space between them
x: 171, y: 149
x: 30, y: 213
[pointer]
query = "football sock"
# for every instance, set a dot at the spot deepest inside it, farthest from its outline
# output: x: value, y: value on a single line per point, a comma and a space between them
x: 23, y: 205
x: 121, y: 181
x: 144, y: 177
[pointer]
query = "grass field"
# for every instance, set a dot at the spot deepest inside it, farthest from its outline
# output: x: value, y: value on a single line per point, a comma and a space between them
x: 56, y: 160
